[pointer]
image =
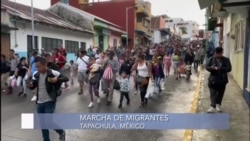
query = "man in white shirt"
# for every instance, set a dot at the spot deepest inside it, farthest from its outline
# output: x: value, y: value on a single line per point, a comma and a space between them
x: 82, y: 67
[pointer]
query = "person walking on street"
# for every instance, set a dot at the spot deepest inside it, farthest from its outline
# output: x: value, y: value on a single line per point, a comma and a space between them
x: 13, y: 68
x: 94, y: 75
x: 218, y: 66
x: 124, y: 88
x: 60, y: 60
x: 144, y: 70
x: 82, y: 63
x: 5, y: 68
x: 33, y: 69
x: 48, y: 83
x: 111, y: 67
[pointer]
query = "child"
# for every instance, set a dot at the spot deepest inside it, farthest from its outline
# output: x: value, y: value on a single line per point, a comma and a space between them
x: 124, y: 88
x: 94, y: 72
x: 72, y: 68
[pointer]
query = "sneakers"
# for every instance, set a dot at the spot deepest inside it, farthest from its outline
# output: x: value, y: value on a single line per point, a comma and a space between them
x: 211, y: 110
x: 120, y: 106
x: 62, y: 137
x: 98, y: 100
x: 91, y: 104
x: 33, y: 98
x: 218, y: 109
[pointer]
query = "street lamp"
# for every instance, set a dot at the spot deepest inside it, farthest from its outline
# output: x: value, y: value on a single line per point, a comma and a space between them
x: 32, y: 25
x: 127, y: 8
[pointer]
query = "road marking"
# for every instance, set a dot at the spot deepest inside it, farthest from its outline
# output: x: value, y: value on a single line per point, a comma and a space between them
x: 188, y: 135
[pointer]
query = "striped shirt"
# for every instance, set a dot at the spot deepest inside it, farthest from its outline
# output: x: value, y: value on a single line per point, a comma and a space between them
x: 124, y: 85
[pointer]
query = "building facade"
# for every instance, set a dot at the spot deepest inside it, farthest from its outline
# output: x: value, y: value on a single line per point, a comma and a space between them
x: 134, y: 16
x: 230, y: 20
x: 50, y: 31
x: 106, y: 33
x: 160, y: 32
x: 189, y: 28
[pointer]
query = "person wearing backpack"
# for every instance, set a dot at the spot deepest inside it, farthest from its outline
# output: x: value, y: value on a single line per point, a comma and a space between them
x: 218, y: 66
x: 111, y: 67
x: 48, y: 83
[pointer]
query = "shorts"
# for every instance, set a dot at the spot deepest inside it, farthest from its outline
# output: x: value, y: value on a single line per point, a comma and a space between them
x: 82, y: 76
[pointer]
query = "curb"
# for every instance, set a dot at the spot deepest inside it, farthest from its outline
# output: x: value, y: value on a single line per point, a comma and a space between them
x: 188, y: 135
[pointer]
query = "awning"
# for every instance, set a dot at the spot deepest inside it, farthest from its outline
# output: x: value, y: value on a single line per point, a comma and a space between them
x: 206, y: 3
x: 140, y: 32
x: 7, y: 28
x: 220, y: 14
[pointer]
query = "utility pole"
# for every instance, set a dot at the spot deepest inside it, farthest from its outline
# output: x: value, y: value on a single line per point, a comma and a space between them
x: 32, y: 25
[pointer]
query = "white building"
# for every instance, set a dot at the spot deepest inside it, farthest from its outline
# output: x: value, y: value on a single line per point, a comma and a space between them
x: 191, y: 27
x: 50, y: 31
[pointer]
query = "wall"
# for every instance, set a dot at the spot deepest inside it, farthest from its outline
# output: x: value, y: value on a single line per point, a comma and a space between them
x: 111, y: 40
x: 237, y: 56
x: 156, y: 38
x: 162, y: 23
x: 119, y: 18
x: 45, y: 31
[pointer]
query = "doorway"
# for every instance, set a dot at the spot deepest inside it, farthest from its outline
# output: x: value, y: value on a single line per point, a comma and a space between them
x: 101, y: 42
x: 5, y: 44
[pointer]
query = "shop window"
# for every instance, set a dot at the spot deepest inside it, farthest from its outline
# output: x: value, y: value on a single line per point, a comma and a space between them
x: 72, y: 46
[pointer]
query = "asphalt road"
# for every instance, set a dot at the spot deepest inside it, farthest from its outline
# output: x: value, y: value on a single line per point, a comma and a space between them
x: 176, y: 98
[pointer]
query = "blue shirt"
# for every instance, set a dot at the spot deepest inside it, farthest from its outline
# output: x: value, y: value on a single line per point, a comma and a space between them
x: 33, y: 65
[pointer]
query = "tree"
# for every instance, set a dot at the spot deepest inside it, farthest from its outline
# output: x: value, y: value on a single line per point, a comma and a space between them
x: 184, y: 30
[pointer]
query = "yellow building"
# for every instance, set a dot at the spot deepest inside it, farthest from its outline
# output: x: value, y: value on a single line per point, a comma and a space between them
x: 237, y: 55
x: 143, y: 23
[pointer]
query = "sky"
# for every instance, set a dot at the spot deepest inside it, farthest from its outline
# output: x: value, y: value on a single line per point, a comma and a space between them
x: 186, y: 9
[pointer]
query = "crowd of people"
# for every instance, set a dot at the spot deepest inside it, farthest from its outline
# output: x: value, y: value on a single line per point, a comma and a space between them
x: 141, y: 64
x: 99, y: 71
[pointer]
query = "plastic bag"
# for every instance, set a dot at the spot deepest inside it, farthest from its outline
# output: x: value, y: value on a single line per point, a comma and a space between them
x: 150, y: 90
x: 13, y: 82
x: 162, y: 83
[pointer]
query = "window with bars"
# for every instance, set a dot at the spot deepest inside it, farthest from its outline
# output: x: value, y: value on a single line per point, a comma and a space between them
x: 29, y: 44
x: 72, y: 46
x: 83, y: 46
x: 240, y: 35
x: 48, y: 44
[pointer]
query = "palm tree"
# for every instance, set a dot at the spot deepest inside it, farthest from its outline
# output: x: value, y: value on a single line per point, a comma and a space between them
x: 184, y: 30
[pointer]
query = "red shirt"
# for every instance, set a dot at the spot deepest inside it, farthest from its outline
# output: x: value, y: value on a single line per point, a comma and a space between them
x: 59, y: 60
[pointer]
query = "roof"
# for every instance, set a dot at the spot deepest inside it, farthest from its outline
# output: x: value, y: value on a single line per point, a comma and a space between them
x: 83, y: 13
x: 41, y: 16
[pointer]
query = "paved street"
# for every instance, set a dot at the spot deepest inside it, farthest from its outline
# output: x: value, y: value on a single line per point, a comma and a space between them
x: 177, y: 98
x: 235, y: 105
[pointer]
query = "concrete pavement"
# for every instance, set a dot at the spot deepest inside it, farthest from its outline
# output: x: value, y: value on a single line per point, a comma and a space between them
x: 177, y: 98
x: 234, y: 104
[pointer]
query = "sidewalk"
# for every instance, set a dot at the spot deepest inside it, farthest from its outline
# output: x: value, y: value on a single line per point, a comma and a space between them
x: 234, y: 104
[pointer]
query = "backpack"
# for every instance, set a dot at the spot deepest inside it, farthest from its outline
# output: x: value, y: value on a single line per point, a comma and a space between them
x: 108, y: 73
x: 55, y: 86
